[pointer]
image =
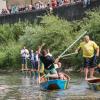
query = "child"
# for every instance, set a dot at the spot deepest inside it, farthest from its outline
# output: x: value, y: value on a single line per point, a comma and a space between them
x: 61, y: 75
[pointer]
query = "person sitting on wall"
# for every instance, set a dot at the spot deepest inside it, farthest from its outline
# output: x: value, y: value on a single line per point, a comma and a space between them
x: 5, y: 11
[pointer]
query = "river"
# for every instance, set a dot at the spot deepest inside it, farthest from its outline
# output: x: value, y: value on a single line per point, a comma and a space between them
x: 15, y: 86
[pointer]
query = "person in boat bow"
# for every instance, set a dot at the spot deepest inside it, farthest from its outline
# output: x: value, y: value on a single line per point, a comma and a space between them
x: 48, y: 62
x: 90, y: 51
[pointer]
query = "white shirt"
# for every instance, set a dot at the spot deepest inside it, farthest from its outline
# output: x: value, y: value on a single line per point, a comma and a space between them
x: 24, y: 53
x: 37, y: 57
x: 32, y: 56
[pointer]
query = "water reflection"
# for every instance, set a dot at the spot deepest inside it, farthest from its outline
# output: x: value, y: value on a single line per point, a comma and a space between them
x: 19, y: 87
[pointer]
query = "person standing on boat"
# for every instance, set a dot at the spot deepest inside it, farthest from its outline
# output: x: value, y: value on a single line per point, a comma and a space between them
x: 24, y: 56
x: 90, y: 51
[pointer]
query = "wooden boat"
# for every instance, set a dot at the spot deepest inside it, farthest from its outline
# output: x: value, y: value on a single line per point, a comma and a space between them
x: 56, y: 84
x: 94, y: 84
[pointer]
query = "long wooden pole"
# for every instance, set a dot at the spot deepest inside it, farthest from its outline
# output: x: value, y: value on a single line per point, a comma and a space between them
x: 72, y: 44
x: 69, y: 54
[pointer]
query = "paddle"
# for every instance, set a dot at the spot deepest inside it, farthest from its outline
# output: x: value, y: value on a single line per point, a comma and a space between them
x: 70, y: 54
x: 70, y: 46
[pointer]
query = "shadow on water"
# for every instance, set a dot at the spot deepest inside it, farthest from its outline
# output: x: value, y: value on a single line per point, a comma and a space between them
x: 18, y: 87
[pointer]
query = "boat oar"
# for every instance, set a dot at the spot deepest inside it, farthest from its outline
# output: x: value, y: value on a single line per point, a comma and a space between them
x: 70, y: 46
x: 70, y: 54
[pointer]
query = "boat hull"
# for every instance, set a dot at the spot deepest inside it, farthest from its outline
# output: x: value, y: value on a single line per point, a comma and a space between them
x: 94, y: 84
x: 54, y: 85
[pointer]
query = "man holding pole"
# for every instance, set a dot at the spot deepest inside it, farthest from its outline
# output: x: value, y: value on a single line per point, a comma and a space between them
x: 90, y: 51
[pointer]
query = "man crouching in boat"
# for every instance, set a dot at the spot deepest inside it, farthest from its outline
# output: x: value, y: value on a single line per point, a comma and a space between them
x: 48, y: 62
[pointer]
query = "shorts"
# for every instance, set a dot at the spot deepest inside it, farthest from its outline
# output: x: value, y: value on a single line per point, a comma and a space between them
x: 52, y: 71
x: 90, y: 62
x: 24, y: 61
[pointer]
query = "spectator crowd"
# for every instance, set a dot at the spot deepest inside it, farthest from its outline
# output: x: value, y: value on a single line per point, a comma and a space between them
x: 41, y: 5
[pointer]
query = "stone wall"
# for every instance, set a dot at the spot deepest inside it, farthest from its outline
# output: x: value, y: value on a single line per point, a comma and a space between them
x: 69, y: 12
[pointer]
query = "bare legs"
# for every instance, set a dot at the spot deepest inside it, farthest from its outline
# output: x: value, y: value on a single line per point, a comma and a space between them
x: 24, y: 67
x: 24, y: 64
x: 91, y: 72
x: 86, y: 71
x: 53, y: 75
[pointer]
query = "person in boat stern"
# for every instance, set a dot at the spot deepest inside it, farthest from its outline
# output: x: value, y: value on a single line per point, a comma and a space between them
x: 90, y: 51
x: 61, y: 74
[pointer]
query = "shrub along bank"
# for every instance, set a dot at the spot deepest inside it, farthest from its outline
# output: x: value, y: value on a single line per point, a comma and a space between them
x: 57, y: 33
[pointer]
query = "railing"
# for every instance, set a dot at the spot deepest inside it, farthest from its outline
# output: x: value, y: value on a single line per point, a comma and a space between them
x: 69, y: 12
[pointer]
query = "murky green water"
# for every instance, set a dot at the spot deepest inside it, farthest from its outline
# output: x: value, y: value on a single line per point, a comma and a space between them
x: 15, y: 86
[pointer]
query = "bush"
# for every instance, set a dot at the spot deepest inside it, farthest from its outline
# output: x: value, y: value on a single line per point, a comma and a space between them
x: 57, y: 33
x: 10, y: 56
